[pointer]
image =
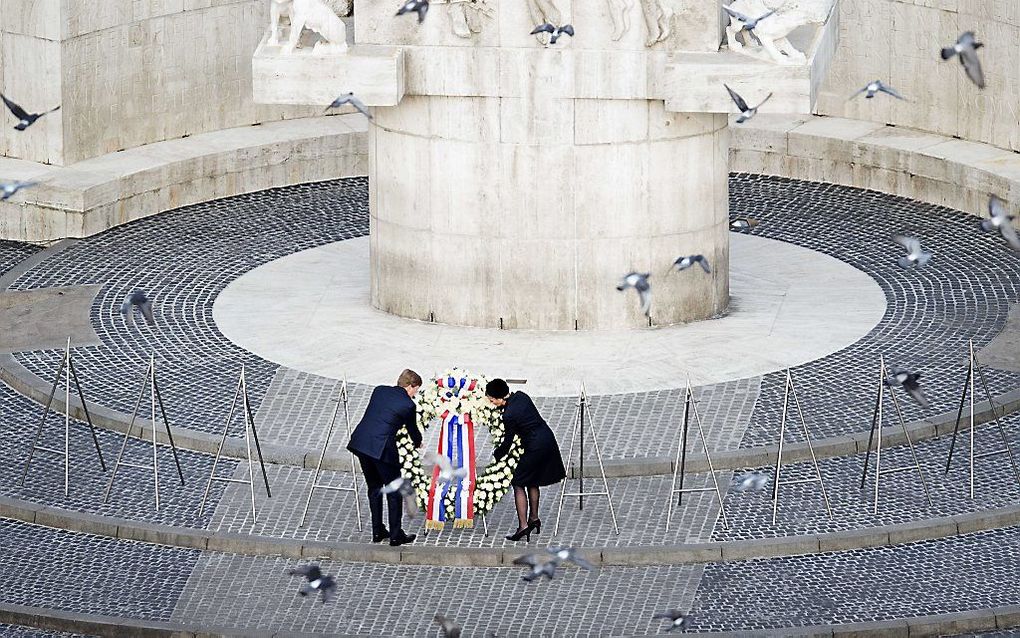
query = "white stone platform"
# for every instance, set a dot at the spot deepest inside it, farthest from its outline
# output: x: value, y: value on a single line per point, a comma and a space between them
x: 94, y: 195
x: 790, y: 305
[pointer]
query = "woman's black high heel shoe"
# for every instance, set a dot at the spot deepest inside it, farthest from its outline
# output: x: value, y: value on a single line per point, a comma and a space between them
x: 524, y: 532
x: 537, y: 524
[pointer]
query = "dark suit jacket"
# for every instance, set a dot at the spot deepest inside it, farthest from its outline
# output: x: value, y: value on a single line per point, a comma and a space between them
x: 375, y: 436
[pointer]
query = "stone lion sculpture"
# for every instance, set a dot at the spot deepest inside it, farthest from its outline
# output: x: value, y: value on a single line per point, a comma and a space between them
x: 314, y: 15
x: 772, y: 31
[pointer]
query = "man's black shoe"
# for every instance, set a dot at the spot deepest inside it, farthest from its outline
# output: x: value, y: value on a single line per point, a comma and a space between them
x: 378, y: 538
x: 400, y: 539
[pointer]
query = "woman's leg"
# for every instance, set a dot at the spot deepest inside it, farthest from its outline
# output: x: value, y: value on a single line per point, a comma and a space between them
x: 521, y: 501
x: 533, y: 502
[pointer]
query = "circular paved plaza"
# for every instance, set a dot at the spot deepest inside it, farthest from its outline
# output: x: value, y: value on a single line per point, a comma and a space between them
x: 274, y: 281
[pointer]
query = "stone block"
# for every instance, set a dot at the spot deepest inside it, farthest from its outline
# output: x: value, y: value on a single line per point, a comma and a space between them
x: 254, y: 545
x: 18, y: 509
x: 765, y: 548
x: 841, y: 541
x: 962, y: 622
x: 993, y: 519
x: 77, y: 521
x: 877, y: 629
x: 451, y: 556
x: 922, y: 530
x: 37, y: 18
x: 164, y: 534
x: 374, y: 74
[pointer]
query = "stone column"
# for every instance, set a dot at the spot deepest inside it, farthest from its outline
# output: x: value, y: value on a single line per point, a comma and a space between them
x: 525, y: 212
x: 513, y: 184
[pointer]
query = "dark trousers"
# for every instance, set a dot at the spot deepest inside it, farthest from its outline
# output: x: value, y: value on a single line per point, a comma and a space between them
x: 377, y: 474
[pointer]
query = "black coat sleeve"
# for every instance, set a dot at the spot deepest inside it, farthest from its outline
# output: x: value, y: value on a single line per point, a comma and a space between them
x: 509, y: 430
x: 411, y: 423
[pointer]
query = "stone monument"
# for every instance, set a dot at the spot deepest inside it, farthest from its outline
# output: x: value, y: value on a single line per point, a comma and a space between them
x: 513, y: 182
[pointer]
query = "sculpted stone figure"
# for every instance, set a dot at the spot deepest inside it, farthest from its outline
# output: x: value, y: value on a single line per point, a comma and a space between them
x: 658, y: 14
x: 619, y: 13
x: 314, y: 15
x: 543, y: 11
x: 772, y: 31
x: 278, y: 9
x: 466, y: 15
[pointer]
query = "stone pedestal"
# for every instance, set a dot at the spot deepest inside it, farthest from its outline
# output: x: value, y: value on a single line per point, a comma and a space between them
x: 525, y: 213
x: 513, y: 185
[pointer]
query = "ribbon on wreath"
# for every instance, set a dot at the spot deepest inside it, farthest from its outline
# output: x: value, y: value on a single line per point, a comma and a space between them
x: 456, y: 443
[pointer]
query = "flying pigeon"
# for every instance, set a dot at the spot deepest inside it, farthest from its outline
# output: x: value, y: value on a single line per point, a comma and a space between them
x: 743, y: 223
x: 137, y: 299
x: 349, y: 98
x: 915, y: 256
x: 25, y: 119
x: 450, y: 628
x: 683, y: 263
x: 406, y: 490
x: 677, y: 619
x: 421, y: 7
x: 874, y: 87
x: 966, y: 46
x: 7, y: 189
x: 554, y: 32
x: 539, y: 566
x: 746, y: 112
x: 639, y: 282
x: 907, y: 379
x: 570, y: 555
x: 999, y: 218
x: 400, y: 484
x: 447, y: 473
x: 751, y: 482
x: 317, y: 581
x: 748, y: 23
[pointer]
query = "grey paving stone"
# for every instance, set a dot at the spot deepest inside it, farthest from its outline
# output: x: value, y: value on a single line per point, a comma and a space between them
x: 68, y: 571
x: 188, y: 256
x: 932, y: 577
x: 401, y: 601
x: 132, y: 495
x: 184, y: 259
x: 964, y: 293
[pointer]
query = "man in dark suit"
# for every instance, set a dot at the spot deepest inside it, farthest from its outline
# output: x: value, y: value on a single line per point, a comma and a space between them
x: 374, y: 441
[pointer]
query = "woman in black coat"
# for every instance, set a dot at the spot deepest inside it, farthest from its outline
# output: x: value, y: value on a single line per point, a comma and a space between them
x: 539, y: 465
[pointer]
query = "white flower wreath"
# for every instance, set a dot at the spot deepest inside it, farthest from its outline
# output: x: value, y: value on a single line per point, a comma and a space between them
x: 492, y: 482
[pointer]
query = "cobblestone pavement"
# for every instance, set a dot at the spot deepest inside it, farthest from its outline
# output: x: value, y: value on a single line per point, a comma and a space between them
x: 213, y: 243
x: 641, y: 509
x: 43, y: 567
x: 184, y: 259
x: 931, y: 577
x: 223, y: 589
x: 401, y: 601
x: 12, y: 252
x: 963, y: 293
x: 901, y: 496
x: 132, y: 495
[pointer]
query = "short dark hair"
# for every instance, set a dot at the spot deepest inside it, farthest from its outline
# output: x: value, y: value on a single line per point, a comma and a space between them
x: 409, y: 379
x: 497, y: 389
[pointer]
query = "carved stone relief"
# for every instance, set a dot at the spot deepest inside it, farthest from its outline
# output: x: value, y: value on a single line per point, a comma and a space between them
x: 771, y: 32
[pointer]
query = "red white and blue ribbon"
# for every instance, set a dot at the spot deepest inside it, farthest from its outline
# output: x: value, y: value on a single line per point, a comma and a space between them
x: 456, y: 443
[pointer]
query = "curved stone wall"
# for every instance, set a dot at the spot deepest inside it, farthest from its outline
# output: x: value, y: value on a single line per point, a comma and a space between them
x: 898, y: 41
x: 467, y: 191
x: 128, y: 73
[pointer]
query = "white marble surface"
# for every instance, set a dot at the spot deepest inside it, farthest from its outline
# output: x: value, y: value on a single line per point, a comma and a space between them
x: 790, y: 305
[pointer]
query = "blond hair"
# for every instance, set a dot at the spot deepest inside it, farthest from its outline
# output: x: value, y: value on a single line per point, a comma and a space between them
x: 409, y: 379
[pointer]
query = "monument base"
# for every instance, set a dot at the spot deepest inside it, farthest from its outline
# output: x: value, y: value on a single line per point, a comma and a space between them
x: 526, y: 212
